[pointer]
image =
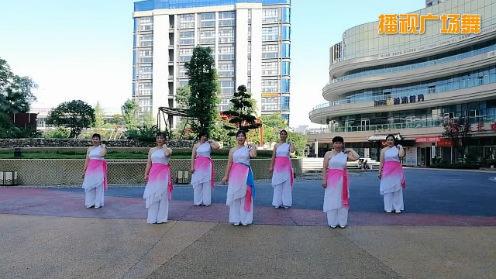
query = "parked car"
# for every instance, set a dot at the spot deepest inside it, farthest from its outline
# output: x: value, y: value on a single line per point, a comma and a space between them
x: 363, y: 163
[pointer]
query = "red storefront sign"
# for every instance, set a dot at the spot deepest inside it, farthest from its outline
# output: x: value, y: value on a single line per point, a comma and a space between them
x: 439, y: 141
x: 427, y: 139
x: 444, y: 143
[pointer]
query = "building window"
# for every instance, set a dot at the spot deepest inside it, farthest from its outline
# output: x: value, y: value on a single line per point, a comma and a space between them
x: 226, y: 18
x: 284, y: 85
x: 186, y: 37
x: 270, y: 15
x: 185, y: 54
x: 269, y: 68
x: 181, y: 71
x: 285, y: 68
x: 183, y: 82
x: 226, y: 35
x: 270, y: 51
x: 186, y: 21
x: 286, y: 15
x: 145, y: 72
x: 145, y: 56
x: 270, y: 85
x: 270, y: 104
x: 286, y: 33
x: 145, y: 40
x: 225, y: 68
x: 285, y: 50
x: 144, y: 88
x: 285, y: 103
x: 207, y: 37
x: 227, y: 87
x: 270, y: 34
x: 206, y: 20
x: 226, y: 52
x: 145, y: 24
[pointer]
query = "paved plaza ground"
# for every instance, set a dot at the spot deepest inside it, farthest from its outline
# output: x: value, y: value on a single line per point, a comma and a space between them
x: 447, y: 231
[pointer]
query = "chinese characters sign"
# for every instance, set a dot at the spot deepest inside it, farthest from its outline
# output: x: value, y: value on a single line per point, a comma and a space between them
x: 392, y: 24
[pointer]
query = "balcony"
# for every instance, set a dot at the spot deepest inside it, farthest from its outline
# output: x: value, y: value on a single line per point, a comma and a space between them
x: 408, y: 129
x: 334, y: 90
x: 324, y: 112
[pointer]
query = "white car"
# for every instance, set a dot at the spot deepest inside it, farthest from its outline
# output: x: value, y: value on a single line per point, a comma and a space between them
x: 358, y: 164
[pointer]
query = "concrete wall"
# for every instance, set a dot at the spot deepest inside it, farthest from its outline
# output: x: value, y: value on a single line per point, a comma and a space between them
x: 69, y: 172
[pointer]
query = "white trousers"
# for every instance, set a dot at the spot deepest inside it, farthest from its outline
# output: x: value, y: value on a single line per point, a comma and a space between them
x: 282, y: 194
x: 394, y: 201
x: 202, y: 194
x: 338, y: 216
x: 237, y: 213
x: 158, y: 212
x: 94, y: 197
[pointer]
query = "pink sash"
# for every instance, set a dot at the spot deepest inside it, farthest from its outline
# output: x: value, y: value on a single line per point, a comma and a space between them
x: 98, y: 165
x: 157, y: 171
x: 393, y: 168
x: 333, y: 175
x: 201, y: 162
x: 284, y: 164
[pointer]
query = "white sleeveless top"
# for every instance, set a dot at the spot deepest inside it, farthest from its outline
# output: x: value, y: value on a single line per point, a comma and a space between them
x: 282, y: 150
x: 392, y: 154
x: 95, y: 153
x: 242, y: 155
x: 338, y: 161
x: 158, y: 156
x: 203, y: 150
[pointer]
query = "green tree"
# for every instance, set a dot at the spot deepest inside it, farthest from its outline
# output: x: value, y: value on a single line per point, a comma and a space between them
x: 117, y: 119
x: 130, y: 114
x: 458, y: 131
x: 144, y: 133
x: 203, y: 100
x: 75, y: 115
x: 58, y: 133
x: 183, y: 130
x: 15, y: 91
x: 148, y: 120
x: 299, y: 140
x: 272, y: 124
x: 15, y: 96
x: 98, y: 116
x: 182, y: 97
x: 241, y: 114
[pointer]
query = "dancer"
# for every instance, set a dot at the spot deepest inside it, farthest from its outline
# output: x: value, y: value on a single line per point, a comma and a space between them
x: 202, y: 170
x: 241, y: 186
x: 392, y: 176
x: 335, y: 183
x: 158, y: 190
x: 95, y: 173
x: 282, y: 172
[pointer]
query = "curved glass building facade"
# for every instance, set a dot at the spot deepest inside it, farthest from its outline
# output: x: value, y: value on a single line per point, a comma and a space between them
x: 411, y: 85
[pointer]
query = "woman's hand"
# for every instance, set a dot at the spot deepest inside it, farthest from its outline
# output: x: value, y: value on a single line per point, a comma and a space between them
x: 146, y: 177
x: 324, y: 184
x: 225, y: 179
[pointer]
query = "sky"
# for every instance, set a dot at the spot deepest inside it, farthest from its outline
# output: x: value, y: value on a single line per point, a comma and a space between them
x: 82, y: 49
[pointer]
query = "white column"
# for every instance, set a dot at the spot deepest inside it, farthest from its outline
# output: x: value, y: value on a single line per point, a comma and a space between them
x: 160, y: 62
x: 241, y: 46
x: 256, y: 56
x: 316, y: 148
